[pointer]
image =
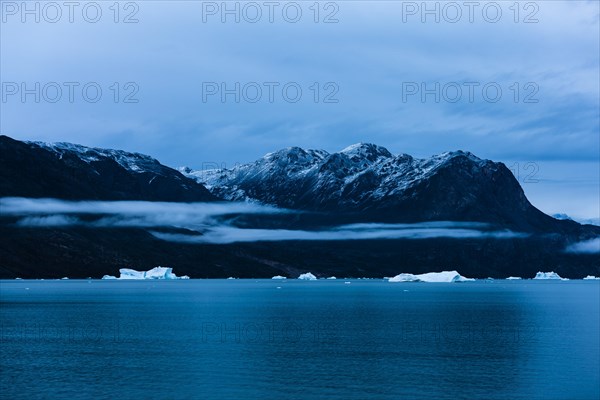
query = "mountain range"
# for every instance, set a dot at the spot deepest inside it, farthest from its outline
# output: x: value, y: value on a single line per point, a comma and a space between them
x: 369, y: 182
x: 363, y: 183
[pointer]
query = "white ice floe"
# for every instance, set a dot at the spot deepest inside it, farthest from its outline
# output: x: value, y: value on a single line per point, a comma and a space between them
x: 549, y: 275
x: 231, y: 277
x: 512, y: 278
x: 308, y: 277
x: 154, y: 273
x: 278, y: 277
x: 332, y: 277
x: 436, y: 277
x: 591, y: 277
x: 64, y: 279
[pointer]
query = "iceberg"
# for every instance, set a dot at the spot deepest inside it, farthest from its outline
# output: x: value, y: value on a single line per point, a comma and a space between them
x: 512, y: 278
x: 434, y: 277
x: 332, y: 277
x: 307, y: 277
x: 549, y: 275
x: 591, y: 278
x: 154, y: 273
x: 278, y: 277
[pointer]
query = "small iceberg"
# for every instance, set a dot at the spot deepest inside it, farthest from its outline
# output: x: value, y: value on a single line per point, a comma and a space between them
x: 278, y: 277
x: 307, y: 277
x: 154, y: 273
x: 512, y: 278
x: 549, y: 275
x: 332, y: 277
x: 434, y: 277
x: 64, y: 278
x: 591, y: 278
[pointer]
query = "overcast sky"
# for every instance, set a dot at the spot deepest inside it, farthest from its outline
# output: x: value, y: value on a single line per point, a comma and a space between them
x: 369, y: 71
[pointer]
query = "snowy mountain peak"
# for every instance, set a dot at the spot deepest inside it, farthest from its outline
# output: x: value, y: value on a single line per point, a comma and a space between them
x: 134, y: 162
x: 368, y: 151
x: 295, y: 155
x: 449, y: 155
x: 361, y: 177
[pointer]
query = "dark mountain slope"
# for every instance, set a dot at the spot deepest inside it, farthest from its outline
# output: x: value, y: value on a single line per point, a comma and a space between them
x: 72, y: 172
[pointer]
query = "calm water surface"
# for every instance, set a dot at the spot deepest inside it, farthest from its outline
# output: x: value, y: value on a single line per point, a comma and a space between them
x: 250, y: 339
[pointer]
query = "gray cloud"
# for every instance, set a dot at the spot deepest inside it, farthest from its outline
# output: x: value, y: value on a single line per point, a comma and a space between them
x: 591, y: 246
x: 224, y: 235
x: 202, y: 218
x: 178, y: 211
x: 369, y: 53
x: 48, y: 221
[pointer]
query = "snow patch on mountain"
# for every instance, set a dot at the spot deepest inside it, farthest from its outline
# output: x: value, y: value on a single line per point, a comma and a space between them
x: 134, y: 162
x: 584, y: 221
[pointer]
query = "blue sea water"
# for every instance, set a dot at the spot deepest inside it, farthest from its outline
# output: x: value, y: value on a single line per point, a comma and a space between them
x: 256, y: 339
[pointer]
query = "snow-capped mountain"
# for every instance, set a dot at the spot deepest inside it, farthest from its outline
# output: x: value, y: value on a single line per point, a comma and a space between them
x: 584, y: 221
x: 368, y: 179
x: 133, y: 162
x: 70, y: 171
x: 362, y: 183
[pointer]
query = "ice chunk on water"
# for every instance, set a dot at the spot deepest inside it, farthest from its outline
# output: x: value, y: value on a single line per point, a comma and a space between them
x: 591, y: 277
x: 278, y: 277
x: 308, y: 277
x: 548, y: 275
x: 436, y: 277
x: 332, y: 277
x: 127, y: 273
x: 154, y: 273
x: 512, y: 278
